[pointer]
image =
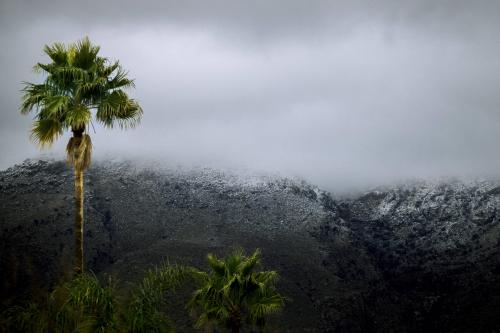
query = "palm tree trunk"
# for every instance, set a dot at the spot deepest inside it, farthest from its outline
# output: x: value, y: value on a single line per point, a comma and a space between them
x: 78, y: 221
x: 235, y: 320
x: 235, y: 328
x: 78, y: 148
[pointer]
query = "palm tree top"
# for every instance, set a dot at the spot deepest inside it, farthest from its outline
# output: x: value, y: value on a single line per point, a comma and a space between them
x: 233, y: 292
x: 77, y: 82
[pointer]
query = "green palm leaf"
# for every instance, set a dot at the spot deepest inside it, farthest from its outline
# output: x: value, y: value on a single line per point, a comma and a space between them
x: 45, y: 131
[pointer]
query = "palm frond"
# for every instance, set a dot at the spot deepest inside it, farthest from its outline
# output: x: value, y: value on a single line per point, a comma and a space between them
x: 145, y: 309
x: 33, y: 95
x: 108, y: 70
x: 85, y: 306
x: 80, y: 305
x: 118, y: 107
x: 216, y: 265
x: 269, y: 301
x: 120, y: 80
x: 45, y: 131
x: 54, y: 106
x: 93, y: 88
x: 233, y: 261
x: 267, y: 277
x: 23, y: 318
x: 249, y: 264
x: 68, y: 74
x: 48, y: 68
x: 57, y: 52
x: 77, y: 116
x: 85, y: 54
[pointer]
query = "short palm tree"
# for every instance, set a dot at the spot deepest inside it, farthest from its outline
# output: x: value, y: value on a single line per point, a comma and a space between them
x: 79, y: 85
x: 232, y: 294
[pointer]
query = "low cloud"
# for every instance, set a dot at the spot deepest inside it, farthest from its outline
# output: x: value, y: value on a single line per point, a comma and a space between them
x: 339, y: 93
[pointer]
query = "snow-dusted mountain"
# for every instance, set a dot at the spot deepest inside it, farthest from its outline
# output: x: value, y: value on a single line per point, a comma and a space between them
x: 413, y: 258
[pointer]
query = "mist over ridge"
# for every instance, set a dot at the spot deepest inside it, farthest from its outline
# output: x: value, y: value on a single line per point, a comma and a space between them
x: 342, y: 94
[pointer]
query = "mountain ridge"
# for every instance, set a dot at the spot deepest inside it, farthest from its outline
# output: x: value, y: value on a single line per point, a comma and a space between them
x: 404, y: 259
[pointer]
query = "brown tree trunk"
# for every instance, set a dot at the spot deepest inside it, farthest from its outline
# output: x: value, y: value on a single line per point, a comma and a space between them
x: 78, y: 221
x: 77, y: 137
x: 235, y: 328
x: 235, y: 320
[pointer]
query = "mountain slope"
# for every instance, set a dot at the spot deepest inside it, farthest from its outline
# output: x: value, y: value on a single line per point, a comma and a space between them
x: 411, y: 258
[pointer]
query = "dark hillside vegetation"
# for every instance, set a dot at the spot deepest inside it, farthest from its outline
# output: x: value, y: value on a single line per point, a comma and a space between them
x: 413, y: 258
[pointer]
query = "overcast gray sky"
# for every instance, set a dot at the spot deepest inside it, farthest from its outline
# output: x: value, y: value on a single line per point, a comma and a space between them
x: 340, y: 93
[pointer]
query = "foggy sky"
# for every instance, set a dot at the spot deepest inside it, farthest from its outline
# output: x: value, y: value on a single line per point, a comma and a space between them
x: 341, y: 93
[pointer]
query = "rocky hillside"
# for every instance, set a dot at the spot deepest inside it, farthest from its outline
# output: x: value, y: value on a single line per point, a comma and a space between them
x: 420, y: 257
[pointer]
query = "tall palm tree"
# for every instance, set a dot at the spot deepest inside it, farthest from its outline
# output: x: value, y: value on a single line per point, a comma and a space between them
x: 78, y: 85
x: 233, y: 294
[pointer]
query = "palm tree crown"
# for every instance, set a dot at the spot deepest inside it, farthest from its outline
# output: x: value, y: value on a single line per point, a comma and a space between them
x: 78, y: 81
x: 233, y: 294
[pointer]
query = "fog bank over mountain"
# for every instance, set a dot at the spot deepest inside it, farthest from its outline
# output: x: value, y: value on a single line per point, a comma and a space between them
x: 341, y: 93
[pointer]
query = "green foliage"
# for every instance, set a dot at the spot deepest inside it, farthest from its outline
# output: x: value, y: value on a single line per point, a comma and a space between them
x: 88, y: 302
x: 232, y: 293
x: 81, y: 305
x: 145, y: 310
x: 26, y: 318
x: 78, y: 81
x: 84, y: 305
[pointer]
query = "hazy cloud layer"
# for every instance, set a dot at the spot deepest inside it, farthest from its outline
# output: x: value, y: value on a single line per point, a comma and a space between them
x: 339, y: 92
